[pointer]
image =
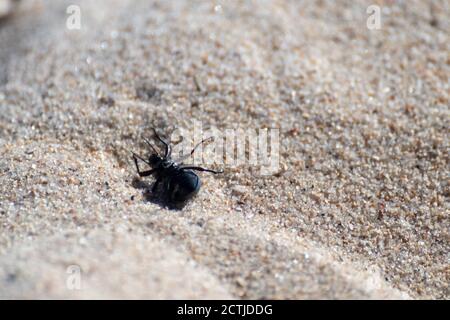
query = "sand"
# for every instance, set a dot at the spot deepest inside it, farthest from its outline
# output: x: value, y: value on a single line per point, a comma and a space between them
x: 359, y: 208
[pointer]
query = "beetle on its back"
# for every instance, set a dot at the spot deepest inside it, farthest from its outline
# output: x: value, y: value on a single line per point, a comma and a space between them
x: 180, y: 183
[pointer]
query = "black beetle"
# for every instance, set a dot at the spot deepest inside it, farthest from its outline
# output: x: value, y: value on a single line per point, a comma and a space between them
x: 180, y: 183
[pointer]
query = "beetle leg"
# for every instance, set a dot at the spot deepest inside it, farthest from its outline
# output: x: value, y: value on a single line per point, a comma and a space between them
x: 141, y: 173
x: 201, y: 169
x: 155, y: 185
x: 136, y: 156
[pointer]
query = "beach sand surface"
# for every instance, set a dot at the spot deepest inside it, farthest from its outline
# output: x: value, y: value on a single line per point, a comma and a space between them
x: 358, y: 208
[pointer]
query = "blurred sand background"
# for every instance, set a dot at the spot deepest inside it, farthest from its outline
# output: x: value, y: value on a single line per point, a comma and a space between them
x: 359, y: 208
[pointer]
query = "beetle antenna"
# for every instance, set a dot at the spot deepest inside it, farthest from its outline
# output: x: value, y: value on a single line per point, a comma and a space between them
x: 184, y: 157
x: 150, y: 145
x: 168, y: 149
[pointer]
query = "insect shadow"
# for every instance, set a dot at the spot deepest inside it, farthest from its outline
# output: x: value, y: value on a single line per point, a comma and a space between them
x: 175, y: 183
x: 156, y: 197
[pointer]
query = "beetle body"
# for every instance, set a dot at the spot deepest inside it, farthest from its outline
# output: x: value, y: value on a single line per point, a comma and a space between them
x: 179, y: 183
x: 182, y: 186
